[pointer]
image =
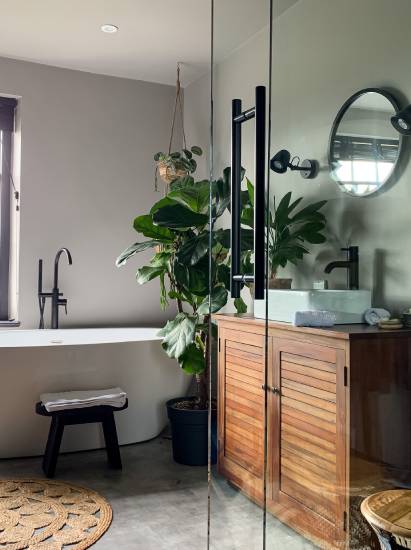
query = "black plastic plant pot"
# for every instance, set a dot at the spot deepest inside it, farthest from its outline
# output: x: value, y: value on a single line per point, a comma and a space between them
x: 189, y: 430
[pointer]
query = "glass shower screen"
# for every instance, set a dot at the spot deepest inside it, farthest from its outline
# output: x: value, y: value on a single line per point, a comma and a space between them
x: 240, y: 133
x: 306, y: 422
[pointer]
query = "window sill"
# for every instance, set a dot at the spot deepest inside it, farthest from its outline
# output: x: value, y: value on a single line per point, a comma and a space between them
x: 8, y: 324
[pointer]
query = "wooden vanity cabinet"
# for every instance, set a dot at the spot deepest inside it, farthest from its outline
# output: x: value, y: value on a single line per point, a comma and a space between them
x: 241, y: 409
x: 324, y: 418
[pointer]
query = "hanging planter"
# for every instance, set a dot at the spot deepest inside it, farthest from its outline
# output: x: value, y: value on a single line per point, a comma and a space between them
x: 169, y: 173
x: 174, y: 165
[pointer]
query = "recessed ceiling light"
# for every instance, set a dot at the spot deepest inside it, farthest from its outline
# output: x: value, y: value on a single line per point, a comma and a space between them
x: 108, y: 28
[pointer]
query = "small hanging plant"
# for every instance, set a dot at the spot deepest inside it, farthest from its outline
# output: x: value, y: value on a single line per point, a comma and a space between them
x: 172, y: 166
x: 179, y: 164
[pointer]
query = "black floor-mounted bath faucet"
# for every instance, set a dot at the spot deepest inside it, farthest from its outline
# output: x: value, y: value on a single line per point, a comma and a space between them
x: 55, y: 294
x: 351, y: 264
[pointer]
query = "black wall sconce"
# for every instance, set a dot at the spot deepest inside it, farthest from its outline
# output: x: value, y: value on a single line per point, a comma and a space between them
x: 402, y: 121
x: 282, y: 161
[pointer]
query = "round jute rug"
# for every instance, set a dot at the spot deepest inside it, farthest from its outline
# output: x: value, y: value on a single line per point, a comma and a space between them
x: 38, y: 514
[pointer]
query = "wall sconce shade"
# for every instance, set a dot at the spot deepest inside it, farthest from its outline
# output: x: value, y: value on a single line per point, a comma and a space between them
x: 402, y: 121
x: 282, y: 161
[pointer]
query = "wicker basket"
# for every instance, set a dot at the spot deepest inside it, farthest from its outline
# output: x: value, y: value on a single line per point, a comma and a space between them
x: 168, y: 173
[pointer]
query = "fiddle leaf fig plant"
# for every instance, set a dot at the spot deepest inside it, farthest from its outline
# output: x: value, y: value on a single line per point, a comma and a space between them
x: 182, y: 232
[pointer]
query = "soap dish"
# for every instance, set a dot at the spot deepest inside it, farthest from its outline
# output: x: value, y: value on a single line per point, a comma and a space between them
x: 390, y: 324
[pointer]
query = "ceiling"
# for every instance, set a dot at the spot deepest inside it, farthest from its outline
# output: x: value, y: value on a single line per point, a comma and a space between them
x: 153, y: 35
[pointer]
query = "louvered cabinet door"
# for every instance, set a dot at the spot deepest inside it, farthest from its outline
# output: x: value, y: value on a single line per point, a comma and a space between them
x: 241, y: 410
x: 307, y: 438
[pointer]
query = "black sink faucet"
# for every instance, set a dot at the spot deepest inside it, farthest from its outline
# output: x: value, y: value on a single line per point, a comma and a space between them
x: 55, y: 294
x: 350, y: 264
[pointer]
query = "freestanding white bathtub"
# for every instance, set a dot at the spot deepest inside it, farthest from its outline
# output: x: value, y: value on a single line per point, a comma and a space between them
x: 37, y: 361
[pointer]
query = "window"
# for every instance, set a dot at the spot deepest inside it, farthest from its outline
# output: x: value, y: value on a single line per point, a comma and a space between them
x: 7, y: 194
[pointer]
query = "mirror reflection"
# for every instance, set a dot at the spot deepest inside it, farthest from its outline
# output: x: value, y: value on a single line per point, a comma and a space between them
x: 364, y: 146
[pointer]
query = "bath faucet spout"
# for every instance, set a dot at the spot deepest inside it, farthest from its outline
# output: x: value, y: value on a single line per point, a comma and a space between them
x: 56, y: 300
x: 56, y: 264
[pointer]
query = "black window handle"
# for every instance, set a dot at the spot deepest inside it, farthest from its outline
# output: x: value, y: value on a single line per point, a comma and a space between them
x: 238, y: 118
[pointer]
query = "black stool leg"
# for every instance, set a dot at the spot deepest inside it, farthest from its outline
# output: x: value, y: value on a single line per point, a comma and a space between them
x: 53, y: 446
x: 110, y: 436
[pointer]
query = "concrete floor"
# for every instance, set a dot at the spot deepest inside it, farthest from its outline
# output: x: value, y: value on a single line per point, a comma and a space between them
x: 160, y: 505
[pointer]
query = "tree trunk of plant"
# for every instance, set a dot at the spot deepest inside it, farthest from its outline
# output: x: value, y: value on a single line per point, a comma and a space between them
x: 202, y: 388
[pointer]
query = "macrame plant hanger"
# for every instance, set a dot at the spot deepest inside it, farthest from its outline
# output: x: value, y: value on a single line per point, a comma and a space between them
x: 179, y: 104
x: 178, y: 108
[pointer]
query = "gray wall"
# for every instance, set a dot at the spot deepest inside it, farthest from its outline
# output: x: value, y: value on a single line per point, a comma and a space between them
x: 339, y: 52
x: 86, y: 172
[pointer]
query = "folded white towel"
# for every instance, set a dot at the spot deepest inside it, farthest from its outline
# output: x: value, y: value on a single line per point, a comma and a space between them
x: 374, y: 315
x: 114, y: 397
x: 314, y: 319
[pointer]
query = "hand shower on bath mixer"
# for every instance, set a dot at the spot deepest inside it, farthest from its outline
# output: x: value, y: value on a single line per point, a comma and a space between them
x: 55, y: 294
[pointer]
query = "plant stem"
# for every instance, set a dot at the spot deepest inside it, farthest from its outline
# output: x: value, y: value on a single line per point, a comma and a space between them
x: 202, y: 390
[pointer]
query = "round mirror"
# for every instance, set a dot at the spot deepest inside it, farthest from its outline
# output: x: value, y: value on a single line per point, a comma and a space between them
x: 364, y: 146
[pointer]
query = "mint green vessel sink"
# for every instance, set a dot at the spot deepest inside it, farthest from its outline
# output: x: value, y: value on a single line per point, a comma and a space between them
x: 347, y: 305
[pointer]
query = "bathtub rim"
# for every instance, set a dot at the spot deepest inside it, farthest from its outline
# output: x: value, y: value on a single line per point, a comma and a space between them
x: 58, y: 342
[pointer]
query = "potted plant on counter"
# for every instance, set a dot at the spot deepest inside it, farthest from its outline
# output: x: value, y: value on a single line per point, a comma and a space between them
x: 186, y: 243
x: 289, y: 232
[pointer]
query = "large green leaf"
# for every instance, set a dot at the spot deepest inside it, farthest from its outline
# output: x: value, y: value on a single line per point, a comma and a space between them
x: 282, y: 210
x: 223, y: 236
x: 223, y: 275
x: 147, y: 273
x: 194, y: 249
x: 199, y: 278
x: 144, y: 224
x: 247, y: 265
x: 220, y: 190
x: 315, y: 238
x: 309, y: 210
x: 160, y: 259
x: 178, y: 334
x: 247, y: 216
x: 134, y: 249
x: 227, y: 174
x: 195, y: 197
x: 165, y: 201
x: 214, y: 302
x: 182, y: 183
x: 250, y: 189
x: 247, y: 239
x: 240, y: 305
x: 194, y: 279
x: 181, y: 274
x: 294, y: 204
x: 179, y: 217
x: 192, y: 361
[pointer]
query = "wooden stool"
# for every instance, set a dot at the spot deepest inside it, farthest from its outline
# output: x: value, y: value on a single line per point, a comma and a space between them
x: 389, y: 514
x: 86, y: 415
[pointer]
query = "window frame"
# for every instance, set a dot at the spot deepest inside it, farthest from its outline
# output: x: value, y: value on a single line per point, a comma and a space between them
x: 7, y: 123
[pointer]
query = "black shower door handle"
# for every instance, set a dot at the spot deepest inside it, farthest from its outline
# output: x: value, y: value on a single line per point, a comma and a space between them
x: 238, y: 118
